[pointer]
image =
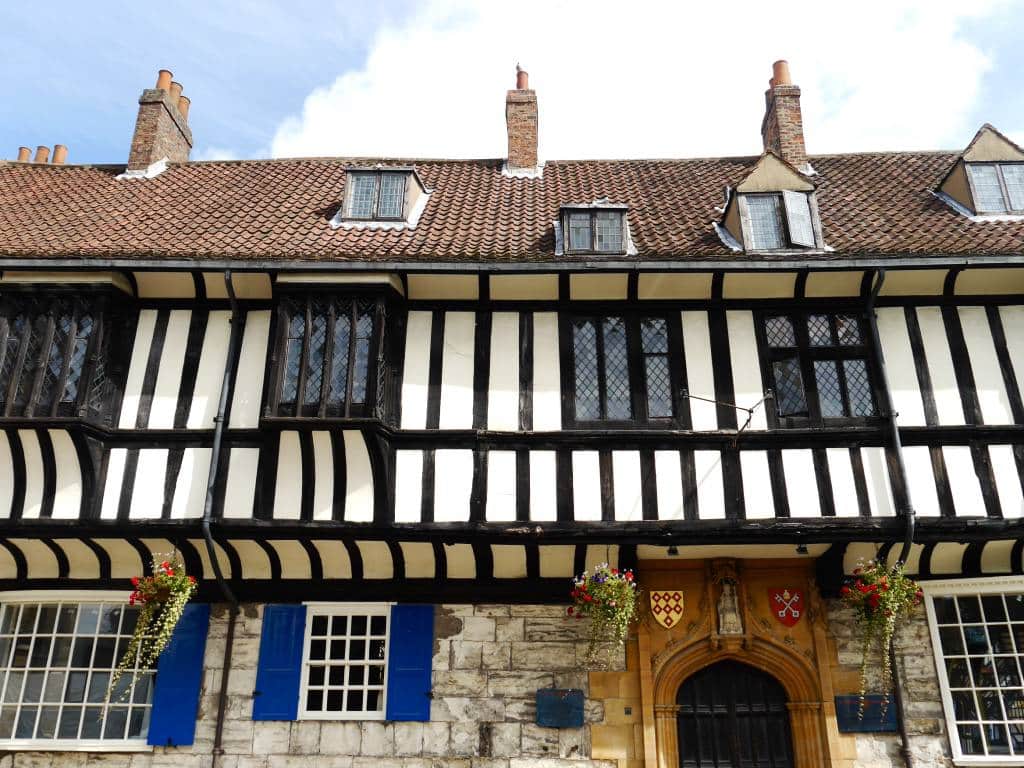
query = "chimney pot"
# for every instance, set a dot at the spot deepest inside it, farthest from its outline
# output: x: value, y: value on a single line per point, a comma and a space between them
x: 24, y: 154
x: 163, y: 79
x: 183, y: 102
x: 780, y: 72
x: 60, y: 154
x: 175, y: 92
x: 42, y: 155
x: 522, y: 79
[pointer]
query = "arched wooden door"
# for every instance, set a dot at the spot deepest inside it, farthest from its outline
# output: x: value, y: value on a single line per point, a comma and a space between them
x: 733, y: 716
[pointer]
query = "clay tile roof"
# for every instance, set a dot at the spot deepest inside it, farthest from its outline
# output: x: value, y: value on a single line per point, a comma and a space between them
x: 871, y: 205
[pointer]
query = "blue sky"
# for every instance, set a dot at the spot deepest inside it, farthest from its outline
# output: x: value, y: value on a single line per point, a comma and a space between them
x: 428, y: 78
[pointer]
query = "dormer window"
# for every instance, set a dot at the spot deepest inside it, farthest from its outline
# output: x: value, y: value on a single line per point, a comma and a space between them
x: 778, y: 221
x: 376, y: 195
x: 594, y: 229
x: 997, y: 187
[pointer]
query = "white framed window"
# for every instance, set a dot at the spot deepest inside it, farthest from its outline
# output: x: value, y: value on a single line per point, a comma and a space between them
x: 344, y: 661
x: 595, y: 230
x: 997, y: 187
x: 977, y: 629
x: 376, y: 195
x: 57, y: 653
x: 775, y: 221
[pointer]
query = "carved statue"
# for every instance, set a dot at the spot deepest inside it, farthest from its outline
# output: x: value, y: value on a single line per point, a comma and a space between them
x: 729, y: 622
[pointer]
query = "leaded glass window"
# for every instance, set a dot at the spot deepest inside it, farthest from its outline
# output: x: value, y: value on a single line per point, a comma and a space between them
x: 978, y: 642
x: 766, y: 228
x: 594, y: 230
x: 56, y: 659
x: 345, y: 662
x: 775, y: 221
x: 325, y: 350
x: 998, y: 187
x: 47, y: 347
x: 819, y: 366
x: 376, y: 195
x: 621, y: 369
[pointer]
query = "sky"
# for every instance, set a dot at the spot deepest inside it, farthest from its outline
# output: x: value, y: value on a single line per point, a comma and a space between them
x: 401, y: 78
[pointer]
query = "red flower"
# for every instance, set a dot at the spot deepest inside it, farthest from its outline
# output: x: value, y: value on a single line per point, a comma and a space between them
x: 135, y: 581
x: 165, y: 564
x: 588, y: 598
x: 629, y: 575
x: 191, y: 579
x: 844, y: 591
x: 615, y: 571
x: 874, y: 600
x: 570, y: 610
x: 170, y: 572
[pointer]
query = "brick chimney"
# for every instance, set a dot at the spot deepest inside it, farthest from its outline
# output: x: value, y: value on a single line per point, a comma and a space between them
x: 521, y: 121
x: 161, y: 129
x: 783, y: 128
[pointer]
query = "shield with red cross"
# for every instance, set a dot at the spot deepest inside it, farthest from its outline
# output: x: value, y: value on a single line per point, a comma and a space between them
x: 667, y: 606
x: 787, y: 605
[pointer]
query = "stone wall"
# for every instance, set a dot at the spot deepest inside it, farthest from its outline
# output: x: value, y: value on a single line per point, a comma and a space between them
x: 489, y: 660
x: 923, y: 714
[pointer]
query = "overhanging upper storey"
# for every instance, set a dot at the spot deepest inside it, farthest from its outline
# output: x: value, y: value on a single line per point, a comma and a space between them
x: 987, y: 181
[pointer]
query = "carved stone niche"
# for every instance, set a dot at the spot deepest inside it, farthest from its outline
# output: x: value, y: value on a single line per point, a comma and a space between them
x: 725, y: 581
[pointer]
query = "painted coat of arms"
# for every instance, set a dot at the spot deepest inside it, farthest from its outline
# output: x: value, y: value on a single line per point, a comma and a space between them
x: 667, y: 606
x: 787, y: 605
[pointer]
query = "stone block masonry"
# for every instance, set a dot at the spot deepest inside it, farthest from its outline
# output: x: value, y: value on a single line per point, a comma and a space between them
x: 489, y: 660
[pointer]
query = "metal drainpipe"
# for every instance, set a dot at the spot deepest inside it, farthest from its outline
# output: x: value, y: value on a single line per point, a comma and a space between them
x: 237, y: 325
x: 908, y: 512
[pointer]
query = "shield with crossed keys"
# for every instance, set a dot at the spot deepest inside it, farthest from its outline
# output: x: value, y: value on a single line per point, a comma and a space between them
x: 787, y: 605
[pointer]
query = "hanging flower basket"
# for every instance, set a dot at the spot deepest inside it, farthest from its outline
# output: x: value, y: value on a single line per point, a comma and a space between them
x: 882, y: 597
x: 162, y: 598
x: 607, y: 598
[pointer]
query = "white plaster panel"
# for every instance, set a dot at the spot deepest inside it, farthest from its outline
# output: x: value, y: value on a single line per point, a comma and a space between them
x: 33, y: 473
x: 844, y: 487
x: 457, y: 371
x: 255, y: 561
x: 556, y: 561
x: 408, y: 486
x: 746, y: 367
x: 210, y: 374
x: 240, y: 487
x: 288, y: 488
x: 150, y: 478
x: 940, y: 366
x: 168, y: 377
x: 757, y: 485
x: 460, y: 561
x: 116, y: 459
x: 700, y: 379
x: 899, y: 364
x: 988, y: 377
x: 547, y: 385
x: 801, y: 483
x: 124, y: 558
x: 323, y: 476
x: 924, y: 494
x: 418, y: 557
x: 876, y: 477
x: 377, y: 562
x: 524, y: 287
x: 252, y: 362
x: 416, y: 370
x: 453, y: 483
x: 963, y: 480
x: 334, y: 559
x: 947, y: 557
x: 42, y: 562
x: 6, y: 476
x: 669, y: 481
x: 543, y: 486
x: 190, y: 490
x: 586, y: 485
x: 1013, y: 330
x: 626, y: 485
x: 509, y: 561
x: 82, y: 561
x: 501, y: 486
x: 359, y: 491
x: 503, y: 381
x: 710, y: 486
x: 996, y: 557
x: 67, y: 501
x: 294, y: 558
x: 1007, y: 478
x: 137, y: 368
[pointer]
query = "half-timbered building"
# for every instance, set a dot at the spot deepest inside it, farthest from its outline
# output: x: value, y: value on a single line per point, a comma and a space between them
x: 385, y: 408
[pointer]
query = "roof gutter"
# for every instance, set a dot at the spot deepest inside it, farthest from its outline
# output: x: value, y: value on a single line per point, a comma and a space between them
x: 237, y: 325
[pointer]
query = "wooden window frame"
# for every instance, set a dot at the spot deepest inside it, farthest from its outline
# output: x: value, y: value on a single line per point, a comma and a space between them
x: 377, y: 187
x: 50, y: 305
x: 371, y: 407
x: 746, y: 222
x: 639, y: 400
x: 592, y: 213
x: 806, y: 355
x: 1007, y: 211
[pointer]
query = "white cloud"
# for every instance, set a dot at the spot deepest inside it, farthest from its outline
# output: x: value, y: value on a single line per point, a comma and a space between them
x: 215, y: 153
x: 648, y: 80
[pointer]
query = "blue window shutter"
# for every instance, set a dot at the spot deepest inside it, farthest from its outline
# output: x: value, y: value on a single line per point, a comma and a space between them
x: 280, y: 667
x: 411, y: 651
x: 179, y: 676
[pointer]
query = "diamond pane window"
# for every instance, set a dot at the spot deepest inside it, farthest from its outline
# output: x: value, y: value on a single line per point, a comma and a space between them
x: 622, y: 369
x: 819, y: 366
x: 345, y: 665
x: 56, y: 659
x: 44, y: 344
x: 978, y: 641
x: 766, y: 229
x: 594, y: 230
x: 322, y: 357
x: 376, y: 195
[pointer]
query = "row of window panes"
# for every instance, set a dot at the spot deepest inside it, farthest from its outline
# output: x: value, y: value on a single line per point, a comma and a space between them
x: 998, y: 187
x: 376, y: 195
x: 598, y: 231
x: 345, y: 665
